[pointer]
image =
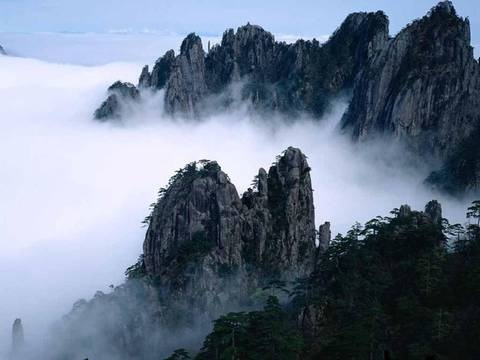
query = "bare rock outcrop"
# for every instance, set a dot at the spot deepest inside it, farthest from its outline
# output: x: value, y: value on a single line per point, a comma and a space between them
x: 2, y: 51
x: 206, y: 252
x: 194, y: 237
x: 422, y: 88
x: 279, y: 221
x: 324, y: 237
x: 186, y: 85
x: 121, y: 95
x: 271, y: 75
x: 204, y: 242
x: 162, y: 69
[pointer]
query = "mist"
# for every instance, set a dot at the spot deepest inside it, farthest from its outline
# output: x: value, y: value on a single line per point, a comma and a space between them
x: 74, y: 191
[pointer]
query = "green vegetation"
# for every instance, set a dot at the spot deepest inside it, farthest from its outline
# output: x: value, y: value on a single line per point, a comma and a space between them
x: 180, y: 354
x: 265, y: 334
x: 199, y: 245
x: 400, y: 287
x: 183, y: 179
x: 461, y: 171
x: 136, y: 271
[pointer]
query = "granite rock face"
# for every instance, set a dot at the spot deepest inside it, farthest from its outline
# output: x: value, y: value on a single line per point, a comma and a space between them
x: 291, y: 245
x: 120, y: 95
x: 193, y: 241
x: 303, y: 76
x: 204, y: 241
x: 270, y: 75
x: 422, y: 88
x: 162, y: 69
x: 206, y: 252
x: 324, y: 237
x: 279, y: 222
x: 186, y: 85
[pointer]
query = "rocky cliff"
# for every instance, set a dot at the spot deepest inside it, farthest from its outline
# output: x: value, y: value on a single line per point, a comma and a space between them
x: 422, y: 88
x: 207, y: 251
x: 303, y: 76
x: 2, y: 51
x: 121, y: 96
x: 204, y: 242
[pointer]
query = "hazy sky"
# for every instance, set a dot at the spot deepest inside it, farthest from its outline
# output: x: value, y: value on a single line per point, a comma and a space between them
x: 307, y: 17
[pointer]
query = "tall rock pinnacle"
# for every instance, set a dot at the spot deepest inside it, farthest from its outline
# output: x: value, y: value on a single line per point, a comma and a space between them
x: 203, y: 238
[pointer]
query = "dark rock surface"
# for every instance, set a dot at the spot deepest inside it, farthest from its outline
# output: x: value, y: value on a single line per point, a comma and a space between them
x: 434, y: 210
x: 202, y: 239
x: 145, y: 80
x: 423, y: 88
x: 324, y: 237
x: 206, y: 252
x: 162, y: 69
x: 120, y: 94
x: 271, y: 75
x: 186, y: 85
x: 460, y: 172
x: 2, y: 51
x: 193, y: 242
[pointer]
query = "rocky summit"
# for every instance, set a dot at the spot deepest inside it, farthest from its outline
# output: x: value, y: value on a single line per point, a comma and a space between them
x: 204, y: 242
x: 207, y: 251
x: 250, y: 65
x: 120, y: 95
x: 421, y: 87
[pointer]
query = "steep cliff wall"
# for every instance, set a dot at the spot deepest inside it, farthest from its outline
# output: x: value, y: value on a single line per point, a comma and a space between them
x: 204, y: 242
x: 206, y: 252
x: 272, y: 75
x: 423, y: 87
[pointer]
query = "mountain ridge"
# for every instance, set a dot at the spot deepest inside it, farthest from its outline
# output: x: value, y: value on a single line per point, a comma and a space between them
x: 420, y: 87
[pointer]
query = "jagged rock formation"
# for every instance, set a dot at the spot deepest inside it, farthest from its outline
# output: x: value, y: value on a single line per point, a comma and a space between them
x: 433, y: 210
x: 193, y: 242
x: 2, y: 51
x: 186, y: 85
x: 424, y: 89
x: 421, y: 87
x: 120, y: 95
x: 207, y: 251
x: 271, y: 75
x: 204, y: 242
x: 324, y: 237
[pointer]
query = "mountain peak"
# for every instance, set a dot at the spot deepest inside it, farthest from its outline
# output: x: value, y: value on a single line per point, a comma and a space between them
x: 445, y: 7
x: 189, y: 42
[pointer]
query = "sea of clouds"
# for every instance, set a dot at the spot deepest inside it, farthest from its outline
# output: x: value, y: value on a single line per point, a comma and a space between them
x: 73, y: 191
